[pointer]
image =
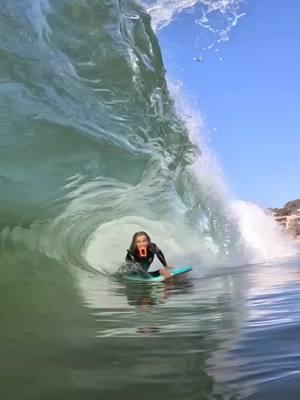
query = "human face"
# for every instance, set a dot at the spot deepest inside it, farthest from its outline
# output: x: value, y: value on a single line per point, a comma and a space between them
x: 142, y: 245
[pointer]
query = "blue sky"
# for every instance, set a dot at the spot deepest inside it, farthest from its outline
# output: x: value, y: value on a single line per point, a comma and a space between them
x: 252, y: 96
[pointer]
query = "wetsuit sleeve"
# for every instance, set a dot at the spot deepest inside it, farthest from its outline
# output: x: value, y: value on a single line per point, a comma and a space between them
x: 129, y: 257
x: 159, y: 255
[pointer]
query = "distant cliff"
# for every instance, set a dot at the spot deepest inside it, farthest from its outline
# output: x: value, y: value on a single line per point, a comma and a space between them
x: 290, y: 208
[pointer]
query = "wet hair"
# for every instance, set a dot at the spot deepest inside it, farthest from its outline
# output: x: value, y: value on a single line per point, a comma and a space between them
x: 132, y: 247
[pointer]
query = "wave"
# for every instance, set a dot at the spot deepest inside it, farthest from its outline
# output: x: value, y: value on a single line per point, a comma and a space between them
x: 93, y: 145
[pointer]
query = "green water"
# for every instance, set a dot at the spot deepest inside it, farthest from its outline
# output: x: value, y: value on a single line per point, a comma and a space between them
x: 230, y: 335
x: 92, y: 149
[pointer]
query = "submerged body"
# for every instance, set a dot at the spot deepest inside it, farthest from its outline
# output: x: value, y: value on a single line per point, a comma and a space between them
x: 142, y: 252
x: 146, y: 260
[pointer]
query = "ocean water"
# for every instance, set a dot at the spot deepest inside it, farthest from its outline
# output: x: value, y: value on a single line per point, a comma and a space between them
x: 94, y: 145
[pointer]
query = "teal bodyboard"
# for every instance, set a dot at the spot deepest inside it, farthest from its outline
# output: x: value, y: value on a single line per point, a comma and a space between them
x: 146, y: 278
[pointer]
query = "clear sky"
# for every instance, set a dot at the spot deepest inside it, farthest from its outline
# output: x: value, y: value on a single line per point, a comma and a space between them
x: 249, y: 91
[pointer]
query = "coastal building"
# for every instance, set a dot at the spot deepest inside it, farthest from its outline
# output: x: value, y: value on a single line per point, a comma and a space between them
x: 290, y: 223
x: 288, y: 217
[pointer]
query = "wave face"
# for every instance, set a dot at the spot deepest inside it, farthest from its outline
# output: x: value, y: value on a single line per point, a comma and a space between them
x: 92, y: 147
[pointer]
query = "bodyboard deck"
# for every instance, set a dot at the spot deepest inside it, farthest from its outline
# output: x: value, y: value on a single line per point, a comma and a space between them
x: 148, y: 278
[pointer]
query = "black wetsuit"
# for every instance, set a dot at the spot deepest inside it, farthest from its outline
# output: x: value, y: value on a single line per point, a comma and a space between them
x: 146, y: 261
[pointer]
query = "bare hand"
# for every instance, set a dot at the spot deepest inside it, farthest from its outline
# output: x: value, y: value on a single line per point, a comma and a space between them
x: 165, y: 273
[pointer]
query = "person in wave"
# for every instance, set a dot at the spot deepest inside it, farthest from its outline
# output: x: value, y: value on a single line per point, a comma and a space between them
x: 142, y: 252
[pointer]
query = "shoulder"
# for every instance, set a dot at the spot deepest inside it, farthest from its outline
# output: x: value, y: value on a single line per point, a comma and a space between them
x: 154, y: 247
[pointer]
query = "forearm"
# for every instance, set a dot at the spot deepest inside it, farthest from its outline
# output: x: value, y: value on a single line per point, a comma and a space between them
x: 161, y: 258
